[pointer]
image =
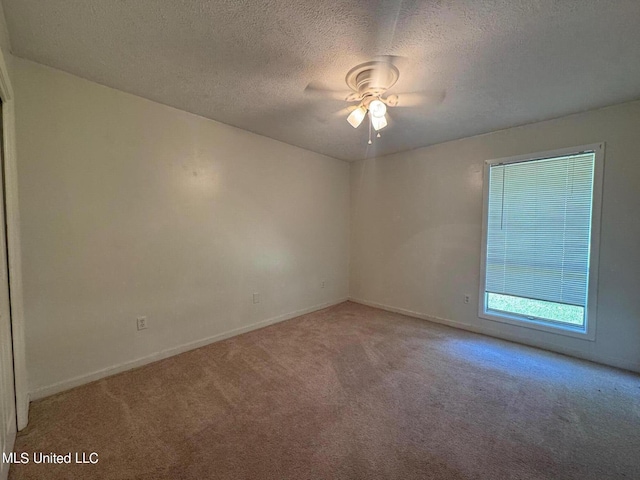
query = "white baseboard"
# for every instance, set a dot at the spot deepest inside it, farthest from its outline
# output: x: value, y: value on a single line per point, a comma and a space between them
x: 597, y: 358
x: 10, y: 439
x: 106, y: 372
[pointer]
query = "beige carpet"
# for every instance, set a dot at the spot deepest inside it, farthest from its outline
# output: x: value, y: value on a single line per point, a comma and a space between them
x: 347, y: 392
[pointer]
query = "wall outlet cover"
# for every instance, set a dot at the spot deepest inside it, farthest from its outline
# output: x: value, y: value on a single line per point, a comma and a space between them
x: 141, y: 323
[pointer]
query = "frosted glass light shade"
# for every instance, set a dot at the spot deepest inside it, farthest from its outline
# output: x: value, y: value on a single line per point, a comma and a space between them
x: 378, y: 122
x: 355, y: 118
x: 377, y: 108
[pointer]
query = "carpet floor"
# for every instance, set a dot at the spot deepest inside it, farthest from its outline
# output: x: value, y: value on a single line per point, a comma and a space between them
x: 349, y: 392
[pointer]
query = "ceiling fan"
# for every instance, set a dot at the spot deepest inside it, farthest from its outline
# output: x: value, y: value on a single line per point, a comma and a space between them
x: 369, y: 84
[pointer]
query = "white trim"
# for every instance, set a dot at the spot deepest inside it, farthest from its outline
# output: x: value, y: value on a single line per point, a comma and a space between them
x: 13, y: 245
x: 534, y: 324
x: 106, y: 372
x: 10, y: 439
x: 589, y: 330
x: 602, y: 359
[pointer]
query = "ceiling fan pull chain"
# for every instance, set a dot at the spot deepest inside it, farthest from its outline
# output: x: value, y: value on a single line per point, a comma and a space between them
x: 370, y: 142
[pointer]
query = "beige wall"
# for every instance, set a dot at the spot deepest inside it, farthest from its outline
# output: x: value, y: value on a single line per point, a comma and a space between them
x: 132, y: 208
x: 416, y: 230
x: 5, y: 45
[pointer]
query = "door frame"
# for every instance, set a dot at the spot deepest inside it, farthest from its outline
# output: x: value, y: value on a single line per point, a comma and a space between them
x: 13, y: 245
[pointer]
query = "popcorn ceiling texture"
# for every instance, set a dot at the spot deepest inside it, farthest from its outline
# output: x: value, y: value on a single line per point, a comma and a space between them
x: 246, y: 63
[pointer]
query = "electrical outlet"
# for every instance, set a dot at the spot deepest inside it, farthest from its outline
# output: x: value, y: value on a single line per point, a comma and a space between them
x: 466, y: 298
x: 141, y: 323
x: 322, y: 284
x: 256, y: 298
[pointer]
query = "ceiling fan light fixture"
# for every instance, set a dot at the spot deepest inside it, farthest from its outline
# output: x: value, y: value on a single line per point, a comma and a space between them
x: 355, y: 118
x: 378, y: 123
x: 377, y: 108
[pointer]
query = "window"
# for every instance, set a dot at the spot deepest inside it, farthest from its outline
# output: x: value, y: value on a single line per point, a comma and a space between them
x: 540, y: 240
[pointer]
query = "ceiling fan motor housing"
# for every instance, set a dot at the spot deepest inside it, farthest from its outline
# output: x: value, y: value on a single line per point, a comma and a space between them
x: 372, y: 79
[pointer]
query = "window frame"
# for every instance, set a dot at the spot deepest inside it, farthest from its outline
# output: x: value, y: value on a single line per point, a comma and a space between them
x: 587, y: 332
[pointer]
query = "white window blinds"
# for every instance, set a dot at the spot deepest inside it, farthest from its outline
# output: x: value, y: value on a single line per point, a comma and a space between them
x: 539, y: 228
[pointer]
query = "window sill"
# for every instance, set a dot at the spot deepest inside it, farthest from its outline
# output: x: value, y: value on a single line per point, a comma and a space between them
x: 575, y: 332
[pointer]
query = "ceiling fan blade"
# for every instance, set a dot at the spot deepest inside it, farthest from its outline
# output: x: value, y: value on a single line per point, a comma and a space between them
x: 415, y: 99
x: 316, y: 89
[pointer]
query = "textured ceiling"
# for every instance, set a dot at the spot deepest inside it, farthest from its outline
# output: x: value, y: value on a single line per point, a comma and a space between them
x: 486, y: 65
